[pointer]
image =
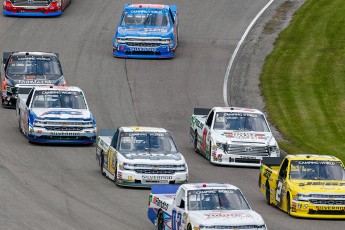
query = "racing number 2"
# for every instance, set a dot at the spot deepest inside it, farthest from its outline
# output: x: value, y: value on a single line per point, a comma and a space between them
x: 279, y: 191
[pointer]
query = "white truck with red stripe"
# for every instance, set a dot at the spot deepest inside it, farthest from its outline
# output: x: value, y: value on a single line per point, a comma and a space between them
x: 201, y: 206
x: 232, y: 136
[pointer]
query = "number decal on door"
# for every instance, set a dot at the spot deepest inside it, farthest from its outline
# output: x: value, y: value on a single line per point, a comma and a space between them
x: 204, y: 134
x: 175, y: 220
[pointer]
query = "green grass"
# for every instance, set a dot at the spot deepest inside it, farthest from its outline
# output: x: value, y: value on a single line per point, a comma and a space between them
x: 303, y: 80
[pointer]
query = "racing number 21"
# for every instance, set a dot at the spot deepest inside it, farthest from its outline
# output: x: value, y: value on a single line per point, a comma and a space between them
x: 175, y: 220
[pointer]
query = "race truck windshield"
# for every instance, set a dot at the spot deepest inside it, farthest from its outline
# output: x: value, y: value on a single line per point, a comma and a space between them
x: 240, y: 121
x: 152, y: 142
x: 34, y: 67
x: 59, y: 99
x: 146, y: 18
x: 316, y: 170
x: 214, y: 199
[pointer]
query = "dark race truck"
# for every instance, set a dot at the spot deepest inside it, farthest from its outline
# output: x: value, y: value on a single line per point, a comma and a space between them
x: 25, y: 69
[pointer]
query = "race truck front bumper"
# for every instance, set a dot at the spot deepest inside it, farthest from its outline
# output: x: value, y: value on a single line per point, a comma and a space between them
x: 133, y: 47
x: 148, y: 177
x: 61, y: 135
x: 243, y: 155
x: 321, y: 206
x: 32, y: 11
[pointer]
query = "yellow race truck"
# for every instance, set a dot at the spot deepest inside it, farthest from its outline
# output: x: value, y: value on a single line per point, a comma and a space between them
x: 310, y: 186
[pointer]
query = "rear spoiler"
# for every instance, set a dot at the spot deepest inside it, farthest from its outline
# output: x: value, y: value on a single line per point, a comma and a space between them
x: 164, y: 189
x: 272, y: 161
x: 201, y: 111
x: 107, y: 132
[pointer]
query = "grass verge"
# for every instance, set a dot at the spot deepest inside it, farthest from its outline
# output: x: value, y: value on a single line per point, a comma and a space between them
x: 303, y: 80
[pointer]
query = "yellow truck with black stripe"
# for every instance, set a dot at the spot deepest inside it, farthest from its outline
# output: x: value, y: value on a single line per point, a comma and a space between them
x: 305, y: 185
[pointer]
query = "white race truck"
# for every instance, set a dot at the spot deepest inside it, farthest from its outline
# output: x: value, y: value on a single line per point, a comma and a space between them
x: 140, y: 156
x: 232, y: 136
x: 201, y: 206
x: 55, y: 114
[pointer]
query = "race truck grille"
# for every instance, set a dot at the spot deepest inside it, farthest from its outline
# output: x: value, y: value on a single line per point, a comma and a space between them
x: 64, y: 123
x: 61, y: 128
x: 328, y: 202
x: 148, y: 171
x: 248, y: 150
x: 31, y: 2
x: 144, y: 42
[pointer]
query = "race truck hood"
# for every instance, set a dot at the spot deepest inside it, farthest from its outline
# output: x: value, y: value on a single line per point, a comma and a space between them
x: 149, y: 31
x: 158, y: 157
x: 227, y: 218
x: 319, y: 186
x: 226, y: 136
x: 59, y: 113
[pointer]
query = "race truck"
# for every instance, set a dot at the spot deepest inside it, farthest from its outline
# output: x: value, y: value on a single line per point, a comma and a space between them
x: 146, y: 31
x: 56, y: 114
x: 305, y: 185
x: 34, y: 8
x: 140, y: 156
x: 232, y: 136
x: 25, y: 69
x: 201, y: 206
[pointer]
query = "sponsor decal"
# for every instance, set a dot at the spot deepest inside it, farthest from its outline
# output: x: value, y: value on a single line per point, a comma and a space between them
x: 331, y: 208
x: 61, y: 113
x: 162, y: 30
x: 267, y: 173
x: 146, y: 12
x: 227, y: 114
x: 247, y: 157
x: 227, y: 215
x: 34, y: 82
x: 318, y: 162
x: 152, y: 177
x: 197, y: 123
x: 244, y: 135
x: 64, y: 134
x: 160, y: 203
x: 51, y: 92
x: 142, y: 49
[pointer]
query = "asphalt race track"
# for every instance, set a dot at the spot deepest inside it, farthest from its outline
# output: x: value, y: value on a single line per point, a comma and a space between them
x: 61, y: 187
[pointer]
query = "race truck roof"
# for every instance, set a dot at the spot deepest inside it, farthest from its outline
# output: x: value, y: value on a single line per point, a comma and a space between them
x: 25, y: 53
x: 198, y: 186
x: 153, y: 6
x: 236, y: 109
x: 312, y: 157
x: 142, y: 129
x: 59, y: 88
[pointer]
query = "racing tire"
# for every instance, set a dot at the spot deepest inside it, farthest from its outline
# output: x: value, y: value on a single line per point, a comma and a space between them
x: 196, y: 149
x: 19, y: 126
x: 288, y: 204
x: 210, y: 156
x: 115, y: 174
x: 102, y: 164
x: 160, y: 220
x: 268, y: 194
